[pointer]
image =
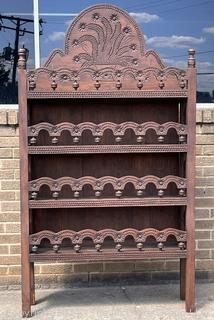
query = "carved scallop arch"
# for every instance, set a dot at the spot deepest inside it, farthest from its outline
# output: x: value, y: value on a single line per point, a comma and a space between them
x: 120, y: 236
x: 76, y: 130
x: 98, y: 184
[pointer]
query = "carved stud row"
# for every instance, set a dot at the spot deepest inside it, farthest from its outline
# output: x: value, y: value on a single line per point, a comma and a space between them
x: 118, y: 247
x: 97, y: 84
x: 97, y: 130
x: 97, y: 194
x: 98, y: 184
x: 98, y: 238
x: 141, y: 77
x: 118, y: 139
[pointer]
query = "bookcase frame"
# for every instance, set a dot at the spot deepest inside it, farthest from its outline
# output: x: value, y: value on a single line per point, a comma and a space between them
x: 107, y: 152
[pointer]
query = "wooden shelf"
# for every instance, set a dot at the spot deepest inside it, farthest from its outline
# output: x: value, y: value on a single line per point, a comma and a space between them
x: 107, y: 255
x: 90, y: 149
x: 110, y: 202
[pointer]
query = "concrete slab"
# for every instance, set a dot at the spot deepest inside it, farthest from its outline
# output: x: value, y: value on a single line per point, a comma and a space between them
x: 148, y: 302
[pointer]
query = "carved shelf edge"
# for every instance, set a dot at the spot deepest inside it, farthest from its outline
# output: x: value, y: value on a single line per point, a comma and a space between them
x: 97, y: 130
x: 110, y: 202
x: 84, y: 149
x: 108, y: 255
x: 98, y: 238
x: 110, y: 94
x: 76, y: 184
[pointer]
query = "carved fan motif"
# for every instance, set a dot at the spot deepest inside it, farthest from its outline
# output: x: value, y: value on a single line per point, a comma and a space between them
x: 110, y: 45
x: 112, y: 38
x: 104, y: 44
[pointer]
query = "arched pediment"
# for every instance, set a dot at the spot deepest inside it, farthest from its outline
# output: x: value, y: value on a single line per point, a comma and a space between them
x: 105, y: 50
x: 103, y: 35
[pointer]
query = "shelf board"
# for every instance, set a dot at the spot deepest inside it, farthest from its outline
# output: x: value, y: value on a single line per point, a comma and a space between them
x: 107, y: 255
x: 85, y: 149
x: 108, y: 202
x: 109, y: 94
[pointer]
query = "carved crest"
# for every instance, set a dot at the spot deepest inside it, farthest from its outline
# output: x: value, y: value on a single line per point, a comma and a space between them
x: 105, y: 50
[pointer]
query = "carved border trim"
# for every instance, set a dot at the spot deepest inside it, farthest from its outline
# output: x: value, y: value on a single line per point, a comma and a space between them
x: 107, y: 149
x: 109, y: 255
x: 111, y: 202
x: 110, y: 94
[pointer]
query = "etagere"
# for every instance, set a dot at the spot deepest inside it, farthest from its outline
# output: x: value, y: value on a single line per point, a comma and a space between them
x: 107, y: 145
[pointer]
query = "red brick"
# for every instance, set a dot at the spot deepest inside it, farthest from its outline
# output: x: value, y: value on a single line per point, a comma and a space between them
x: 88, y: 267
x: 149, y: 265
x: 10, y: 206
x: 6, y: 153
x: 204, y: 161
x: 9, y: 141
x: 6, y: 174
x: 7, y: 195
x: 12, y: 227
x: 3, y: 270
x: 204, y: 224
x: 206, y: 244
x: 10, y: 216
x: 118, y: 266
x: 203, y: 254
x: 202, y: 213
x: 9, y: 238
x: 202, y: 234
x: 205, y: 264
x: 12, y: 117
x: 205, y: 202
x: 56, y: 268
x: 10, y: 185
x: 4, y: 249
x: 8, y: 259
x: 15, y: 249
x: 9, y: 164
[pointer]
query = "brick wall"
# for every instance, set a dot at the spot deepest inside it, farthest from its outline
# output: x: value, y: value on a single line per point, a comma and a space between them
x: 102, y: 273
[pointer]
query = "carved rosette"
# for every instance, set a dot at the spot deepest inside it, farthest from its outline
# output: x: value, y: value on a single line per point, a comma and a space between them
x: 98, y: 237
x: 105, y: 53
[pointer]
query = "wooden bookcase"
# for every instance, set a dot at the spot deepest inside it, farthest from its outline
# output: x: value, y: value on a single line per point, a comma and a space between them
x: 107, y: 140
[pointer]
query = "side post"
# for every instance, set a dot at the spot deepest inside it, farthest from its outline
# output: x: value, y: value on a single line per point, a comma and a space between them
x: 25, y: 227
x: 190, y: 173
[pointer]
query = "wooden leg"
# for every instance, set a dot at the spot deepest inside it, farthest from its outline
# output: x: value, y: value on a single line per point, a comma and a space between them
x: 182, y: 278
x: 190, y: 283
x: 32, y: 281
x: 26, y: 290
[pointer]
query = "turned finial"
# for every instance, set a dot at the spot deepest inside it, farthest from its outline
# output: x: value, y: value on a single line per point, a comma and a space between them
x: 191, y: 58
x: 22, y: 58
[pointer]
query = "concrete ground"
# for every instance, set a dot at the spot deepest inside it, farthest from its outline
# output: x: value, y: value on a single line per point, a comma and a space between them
x: 144, y: 302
